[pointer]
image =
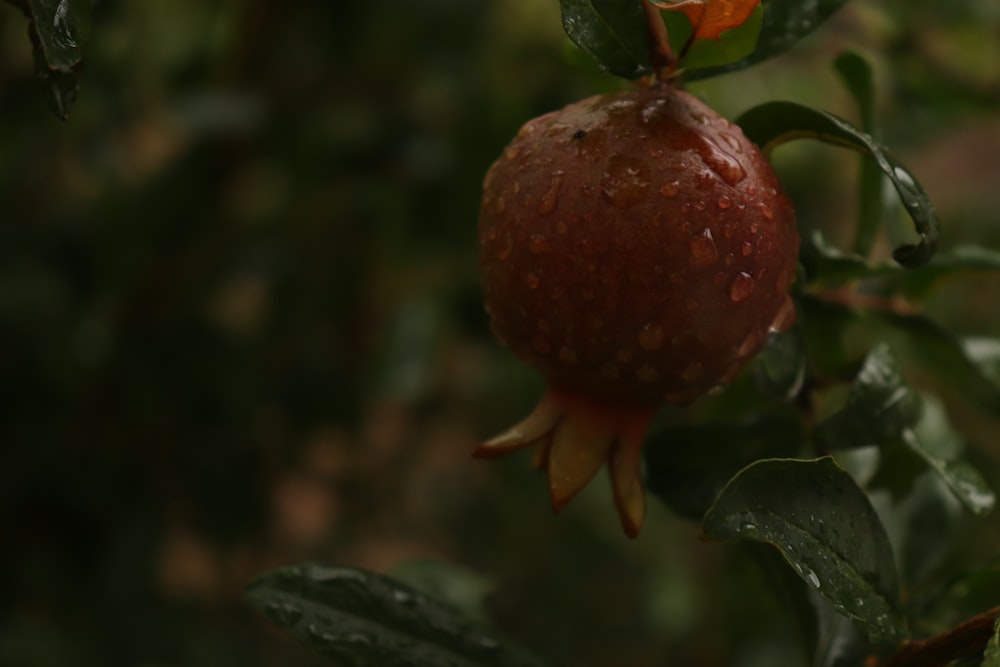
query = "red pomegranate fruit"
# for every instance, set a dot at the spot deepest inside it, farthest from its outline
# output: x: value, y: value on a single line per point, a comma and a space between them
x: 635, y: 248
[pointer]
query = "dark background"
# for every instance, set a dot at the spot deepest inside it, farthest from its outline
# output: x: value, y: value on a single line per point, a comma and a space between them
x: 240, y: 321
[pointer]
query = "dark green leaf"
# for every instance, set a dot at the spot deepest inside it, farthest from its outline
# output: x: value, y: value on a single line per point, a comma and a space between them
x: 934, y: 440
x: 615, y: 33
x: 58, y: 30
x: 362, y: 618
x: 794, y: 593
x: 687, y: 466
x: 880, y: 407
x: 785, y: 22
x: 774, y: 123
x: 952, y: 263
x: 826, y: 529
x: 825, y: 326
x: 939, y: 355
x: 780, y: 368
x: 731, y: 46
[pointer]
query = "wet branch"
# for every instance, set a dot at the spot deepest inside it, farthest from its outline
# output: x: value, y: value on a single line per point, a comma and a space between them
x: 967, y: 639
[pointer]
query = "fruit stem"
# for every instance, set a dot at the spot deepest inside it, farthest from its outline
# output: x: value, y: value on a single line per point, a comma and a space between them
x: 661, y: 56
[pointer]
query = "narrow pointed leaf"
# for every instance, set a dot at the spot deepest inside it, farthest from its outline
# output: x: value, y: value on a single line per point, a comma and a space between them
x: 361, y: 618
x: 879, y: 409
x: 825, y: 528
x: 934, y: 440
x: 613, y: 32
x: 774, y: 123
x: 785, y: 23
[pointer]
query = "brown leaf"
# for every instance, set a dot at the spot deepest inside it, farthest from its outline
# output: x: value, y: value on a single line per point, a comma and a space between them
x: 711, y: 18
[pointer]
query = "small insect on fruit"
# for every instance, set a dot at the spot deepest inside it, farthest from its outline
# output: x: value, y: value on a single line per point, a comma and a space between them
x: 635, y: 248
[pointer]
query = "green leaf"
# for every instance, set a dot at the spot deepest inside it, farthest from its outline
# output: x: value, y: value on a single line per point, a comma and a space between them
x: 785, y: 22
x: 825, y: 528
x: 940, y: 356
x: 774, y: 123
x: 732, y: 45
x: 58, y: 30
x: 934, y: 440
x: 362, y: 618
x: 953, y: 263
x: 825, y: 326
x: 613, y: 32
x: 780, y: 368
x: 856, y: 73
x: 687, y: 466
x: 880, y: 407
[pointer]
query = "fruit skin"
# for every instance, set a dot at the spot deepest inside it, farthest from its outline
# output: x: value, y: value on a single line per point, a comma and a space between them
x: 635, y: 248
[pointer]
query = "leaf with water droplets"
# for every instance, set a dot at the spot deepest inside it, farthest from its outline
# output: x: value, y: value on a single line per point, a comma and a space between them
x: 613, y: 32
x: 879, y: 409
x: 774, y: 123
x: 785, y: 23
x: 362, y: 618
x: 937, y: 443
x: 58, y: 30
x: 823, y: 524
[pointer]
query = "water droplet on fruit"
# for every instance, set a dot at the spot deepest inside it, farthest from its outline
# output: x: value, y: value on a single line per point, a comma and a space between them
x: 670, y: 189
x: 741, y: 287
x: 732, y: 142
x: 705, y: 180
x: 648, y: 112
x: 567, y: 355
x: 746, y: 248
x: 750, y: 344
x: 766, y: 211
x: 785, y: 317
x: 538, y: 244
x: 541, y: 345
x: 651, y: 336
x: 703, y: 250
x: 610, y: 372
x: 501, y: 204
x: 561, y: 227
x: 531, y: 280
x: 721, y: 162
x: 692, y: 371
x: 512, y: 152
x: 647, y: 373
x: 506, y: 247
x: 624, y: 182
x: 551, y: 197
x: 724, y: 202
x: 557, y: 128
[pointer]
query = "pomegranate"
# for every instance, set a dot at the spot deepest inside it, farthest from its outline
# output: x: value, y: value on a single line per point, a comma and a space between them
x: 635, y: 248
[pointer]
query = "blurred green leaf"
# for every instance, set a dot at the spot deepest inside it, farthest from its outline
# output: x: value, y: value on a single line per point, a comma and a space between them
x: 934, y: 440
x: 940, y: 355
x: 856, y: 73
x: 613, y: 32
x: 780, y: 368
x: 687, y: 466
x: 363, y: 618
x: 880, y: 407
x: 824, y: 325
x: 450, y: 582
x: 826, y: 529
x: 952, y: 263
x: 732, y: 45
x: 58, y: 30
x: 774, y: 123
x: 785, y: 22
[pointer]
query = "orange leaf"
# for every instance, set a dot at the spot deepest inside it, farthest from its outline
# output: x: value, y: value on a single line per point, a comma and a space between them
x: 711, y: 18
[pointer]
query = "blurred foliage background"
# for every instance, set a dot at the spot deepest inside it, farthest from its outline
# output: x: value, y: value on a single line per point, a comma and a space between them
x: 240, y: 322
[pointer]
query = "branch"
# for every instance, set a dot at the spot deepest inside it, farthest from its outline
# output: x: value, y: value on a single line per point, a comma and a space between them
x: 661, y: 56
x: 967, y: 639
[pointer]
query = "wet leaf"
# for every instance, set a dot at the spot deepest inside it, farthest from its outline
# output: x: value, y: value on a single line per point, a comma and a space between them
x: 362, y: 618
x: 613, y: 32
x: 880, y: 407
x: 710, y: 20
x: 934, y: 440
x: 825, y: 528
x: 784, y: 23
x: 775, y: 123
x: 687, y: 466
x: 58, y: 30
x: 780, y: 368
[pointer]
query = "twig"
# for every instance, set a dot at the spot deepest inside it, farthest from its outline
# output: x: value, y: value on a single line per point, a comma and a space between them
x: 967, y: 639
x: 661, y: 56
